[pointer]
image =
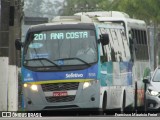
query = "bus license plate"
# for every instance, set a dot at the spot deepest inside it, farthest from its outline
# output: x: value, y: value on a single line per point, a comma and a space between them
x: 57, y: 94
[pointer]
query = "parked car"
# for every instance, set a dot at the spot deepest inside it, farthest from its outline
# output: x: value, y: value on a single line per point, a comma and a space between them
x: 152, y: 94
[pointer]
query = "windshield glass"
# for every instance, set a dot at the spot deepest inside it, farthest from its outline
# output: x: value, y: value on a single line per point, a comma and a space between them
x: 156, y: 77
x: 60, y: 48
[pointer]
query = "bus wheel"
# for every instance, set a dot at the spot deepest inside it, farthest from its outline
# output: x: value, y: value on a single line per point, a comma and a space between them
x: 104, y: 103
x: 135, y: 97
x: 123, y: 102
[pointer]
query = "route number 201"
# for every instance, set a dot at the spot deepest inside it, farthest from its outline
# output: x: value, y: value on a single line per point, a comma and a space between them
x: 40, y: 36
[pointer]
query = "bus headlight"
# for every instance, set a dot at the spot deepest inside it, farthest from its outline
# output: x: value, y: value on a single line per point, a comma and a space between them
x: 89, y: 83
x: 86, y: 85
x: 25, y: 85
x: 34, y: 87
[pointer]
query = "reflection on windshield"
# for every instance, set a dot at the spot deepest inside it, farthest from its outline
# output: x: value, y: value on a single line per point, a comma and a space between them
x: 58, y: 48
x: 73, y: 59
x: 42, y: 59
x: 157, y: 76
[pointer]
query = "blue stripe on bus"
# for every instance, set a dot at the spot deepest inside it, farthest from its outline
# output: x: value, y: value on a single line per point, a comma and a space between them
x: 31, y: 76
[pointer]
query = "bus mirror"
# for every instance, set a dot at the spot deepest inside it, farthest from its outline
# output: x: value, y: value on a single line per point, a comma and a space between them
x: 104, y: 38
x: 18, y: 44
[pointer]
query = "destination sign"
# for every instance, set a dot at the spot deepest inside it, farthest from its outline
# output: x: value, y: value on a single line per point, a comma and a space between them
x: 61, y: 35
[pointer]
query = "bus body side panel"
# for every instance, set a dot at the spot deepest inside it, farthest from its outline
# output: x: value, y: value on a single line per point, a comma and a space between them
x: 116, y: 77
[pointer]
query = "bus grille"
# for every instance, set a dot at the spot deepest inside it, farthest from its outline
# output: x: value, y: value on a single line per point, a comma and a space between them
x: 60, y: 86
x: 60, y: 99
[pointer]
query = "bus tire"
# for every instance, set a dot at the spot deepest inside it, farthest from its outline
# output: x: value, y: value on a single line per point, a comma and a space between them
x: 123, y: 102
x: 104, y: 104
x: 135, y: 97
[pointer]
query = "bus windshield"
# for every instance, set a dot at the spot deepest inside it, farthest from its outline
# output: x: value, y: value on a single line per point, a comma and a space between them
x: 60, y: 48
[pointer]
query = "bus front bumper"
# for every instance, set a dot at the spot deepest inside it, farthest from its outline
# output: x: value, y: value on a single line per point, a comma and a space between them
x: 85, y: 99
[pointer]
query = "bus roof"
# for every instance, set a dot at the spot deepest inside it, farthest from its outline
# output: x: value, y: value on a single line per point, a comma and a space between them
x: 115, y: 16
x: 134, y: 23
x: 51, y: 26
x: 104, y: 13
x: 71, y: 21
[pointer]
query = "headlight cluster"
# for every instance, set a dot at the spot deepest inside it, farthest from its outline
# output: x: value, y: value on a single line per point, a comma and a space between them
x: 152, y: 92
x: 32, y: 87
x: 89, y: 83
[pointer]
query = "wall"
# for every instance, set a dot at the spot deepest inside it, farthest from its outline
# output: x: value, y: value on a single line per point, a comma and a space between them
x: 8, y: 69
x: 3, y: 83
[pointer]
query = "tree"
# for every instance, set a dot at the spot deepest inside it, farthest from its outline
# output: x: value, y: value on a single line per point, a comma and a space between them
x: 147, y: 10
x: 74, y: 6
x: 32, y: 8
x: 41, y: 8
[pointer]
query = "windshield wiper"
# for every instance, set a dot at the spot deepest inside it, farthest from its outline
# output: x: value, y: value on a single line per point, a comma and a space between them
x: 75, y: 58
x: 44, y: 59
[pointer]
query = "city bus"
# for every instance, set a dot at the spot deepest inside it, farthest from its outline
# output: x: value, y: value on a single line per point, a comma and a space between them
x: 137, y: 36
x: 57, y: 75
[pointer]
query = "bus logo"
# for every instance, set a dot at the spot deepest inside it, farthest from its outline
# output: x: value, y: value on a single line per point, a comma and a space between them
x: 74, y: 75
x: 28, y: 77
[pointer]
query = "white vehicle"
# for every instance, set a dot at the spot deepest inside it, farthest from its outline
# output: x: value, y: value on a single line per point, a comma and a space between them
x: 153, y: 90
x: 56, y: 78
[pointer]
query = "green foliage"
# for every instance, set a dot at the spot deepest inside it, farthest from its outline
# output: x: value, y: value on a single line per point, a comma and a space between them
x: 41, y: 8
x: 74, y: 6
x: 33, y: 8
x: 147, y: 10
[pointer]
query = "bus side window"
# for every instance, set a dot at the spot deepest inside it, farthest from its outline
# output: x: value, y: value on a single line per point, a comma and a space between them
x: 131, y: 45
x: 103, y: 55
x: 134, y: 39
x: 103, y: 48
